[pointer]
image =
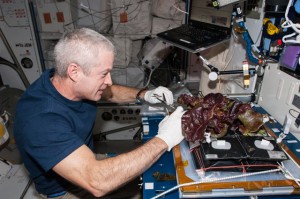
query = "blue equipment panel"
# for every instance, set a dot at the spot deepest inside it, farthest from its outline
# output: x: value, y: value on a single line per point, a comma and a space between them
x: 152, y: 186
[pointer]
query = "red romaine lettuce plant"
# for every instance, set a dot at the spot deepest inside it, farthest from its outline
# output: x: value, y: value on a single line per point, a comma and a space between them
x: 216, y: 114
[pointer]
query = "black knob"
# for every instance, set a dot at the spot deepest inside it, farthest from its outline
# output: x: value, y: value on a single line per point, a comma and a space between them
x: 26, y: 62
x: 114, y: 111
x: 117, y: 118
x: 122, y: 111
x: 106, y: 116
x: 137, y: 111
x: 129, y: 111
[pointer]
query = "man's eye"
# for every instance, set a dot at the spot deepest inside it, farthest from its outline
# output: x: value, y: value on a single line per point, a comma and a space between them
x: 104, y: 74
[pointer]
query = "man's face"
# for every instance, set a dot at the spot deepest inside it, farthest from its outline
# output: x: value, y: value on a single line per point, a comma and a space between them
x: 92, y: 85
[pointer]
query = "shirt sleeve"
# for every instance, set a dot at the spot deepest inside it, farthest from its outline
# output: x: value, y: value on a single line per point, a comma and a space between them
x: 49, y: 139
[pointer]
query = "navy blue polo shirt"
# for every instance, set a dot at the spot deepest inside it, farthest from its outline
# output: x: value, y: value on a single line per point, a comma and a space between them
x: 47, y: 128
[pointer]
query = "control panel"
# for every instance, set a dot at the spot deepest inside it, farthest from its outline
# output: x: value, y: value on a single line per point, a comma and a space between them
x: 118, y: 122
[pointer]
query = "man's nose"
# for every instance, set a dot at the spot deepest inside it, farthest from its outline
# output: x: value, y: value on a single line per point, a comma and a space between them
x: 108, y: 80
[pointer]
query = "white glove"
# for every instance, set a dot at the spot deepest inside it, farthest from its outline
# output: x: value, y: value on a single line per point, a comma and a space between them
x: 169, y: 129
x: 159, y: 91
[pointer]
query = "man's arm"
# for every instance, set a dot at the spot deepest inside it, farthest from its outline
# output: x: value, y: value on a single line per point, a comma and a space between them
x: 103, y: 176
x: 121, y: 94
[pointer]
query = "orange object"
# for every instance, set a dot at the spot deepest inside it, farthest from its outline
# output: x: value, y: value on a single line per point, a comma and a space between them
x: 123, y: 17
x: 60, y: 17
x: 47, y: 18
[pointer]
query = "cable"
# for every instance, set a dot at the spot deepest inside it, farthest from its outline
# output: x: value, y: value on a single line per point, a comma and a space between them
x: 290, y: 112
x: 232, y: 52
x: 243, y: 166
x: 16, y: 65
x: 113, y: 12
x: 5, y: 115
x: 249, y: 43
x: 177, y: 8
x: 149, y: 78
x: 288, y: 174
x: 214, y: 180
x: 289, y: 24
x: 285, y: 171
x: 257, y: 39
x: 92, y: 15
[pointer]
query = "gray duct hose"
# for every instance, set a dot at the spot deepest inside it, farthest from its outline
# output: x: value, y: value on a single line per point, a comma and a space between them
x: 16, y: 66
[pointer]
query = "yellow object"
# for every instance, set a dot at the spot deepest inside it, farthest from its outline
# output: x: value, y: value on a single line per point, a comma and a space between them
x: 270, y: 27
x: 185, y: 163
x: 246, y: 74
x: 239, y: 30
x: 3, y: 132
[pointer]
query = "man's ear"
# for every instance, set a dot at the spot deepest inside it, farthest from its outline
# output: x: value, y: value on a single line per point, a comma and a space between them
x: 73, y: 72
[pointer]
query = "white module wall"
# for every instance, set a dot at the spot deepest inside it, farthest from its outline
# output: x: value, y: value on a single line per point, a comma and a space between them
x: 277, y: 95
x: 18, y: 46
x: 128, y: 24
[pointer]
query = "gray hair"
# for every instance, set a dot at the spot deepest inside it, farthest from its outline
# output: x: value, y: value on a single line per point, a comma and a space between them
x: 82, y: 47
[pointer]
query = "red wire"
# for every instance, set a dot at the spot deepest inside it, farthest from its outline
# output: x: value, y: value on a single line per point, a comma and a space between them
x: 244, y: 170
x: 196, y: 152
x: 241, y: 166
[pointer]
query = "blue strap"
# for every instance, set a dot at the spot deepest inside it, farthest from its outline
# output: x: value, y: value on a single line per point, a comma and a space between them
x: 56, y: 194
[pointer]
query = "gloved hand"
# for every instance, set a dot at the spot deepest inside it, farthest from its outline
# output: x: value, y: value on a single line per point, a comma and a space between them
x: 159, y: 91
x: 169, y: 129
